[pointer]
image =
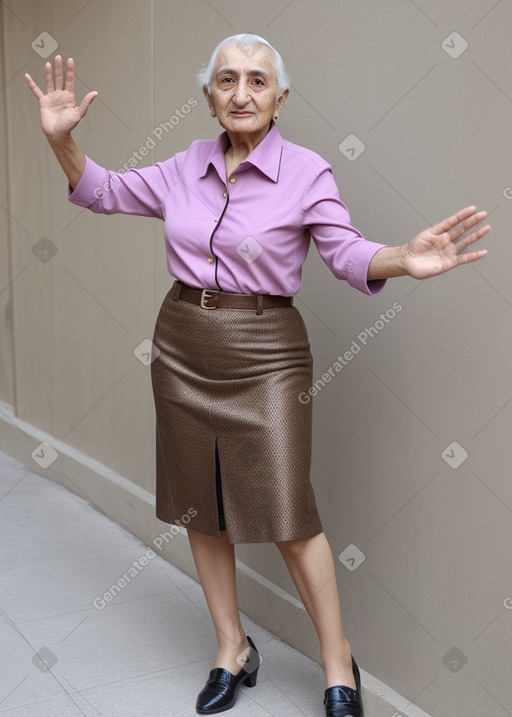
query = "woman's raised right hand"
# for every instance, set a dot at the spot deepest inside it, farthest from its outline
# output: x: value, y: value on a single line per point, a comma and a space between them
x: 58, y: 109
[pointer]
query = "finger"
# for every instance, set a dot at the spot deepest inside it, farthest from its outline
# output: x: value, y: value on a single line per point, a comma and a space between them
x: 452, y: 221
x: 70, y: 75
x: 48, y: 75
x: 463, y: 242
x: 465, y: 226
x: 471, y: 256
x: 59, y: 81
x: 84, y: 104
x: 35, y: 89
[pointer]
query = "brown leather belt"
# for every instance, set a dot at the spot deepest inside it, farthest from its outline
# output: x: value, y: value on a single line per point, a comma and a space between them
x: 210, y: 299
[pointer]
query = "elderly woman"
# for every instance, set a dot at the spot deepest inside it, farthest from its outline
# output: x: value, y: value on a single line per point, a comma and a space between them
x: 233, y: 439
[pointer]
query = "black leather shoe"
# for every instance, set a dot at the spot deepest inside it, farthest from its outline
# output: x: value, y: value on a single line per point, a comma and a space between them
x: 222, y: 687
x: 343, y: 701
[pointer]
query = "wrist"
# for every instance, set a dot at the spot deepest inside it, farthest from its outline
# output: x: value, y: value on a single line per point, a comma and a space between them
x: 61, y: 140
x: 388, y: 262
x: 402, y: 256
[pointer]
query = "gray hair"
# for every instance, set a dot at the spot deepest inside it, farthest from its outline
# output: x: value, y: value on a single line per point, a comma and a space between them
x: 245, y: 40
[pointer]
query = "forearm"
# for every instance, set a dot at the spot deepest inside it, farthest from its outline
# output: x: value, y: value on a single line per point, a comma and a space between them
x: 387, y: 263
x: 70, y: 157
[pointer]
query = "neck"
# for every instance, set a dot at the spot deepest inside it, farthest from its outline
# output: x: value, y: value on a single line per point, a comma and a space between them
x: 241, y: 145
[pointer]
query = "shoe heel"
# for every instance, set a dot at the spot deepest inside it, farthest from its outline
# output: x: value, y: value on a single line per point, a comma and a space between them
x: 253, y: 663
x: 250, y: 680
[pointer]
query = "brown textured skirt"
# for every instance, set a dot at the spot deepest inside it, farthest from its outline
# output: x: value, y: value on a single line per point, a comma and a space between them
x: 230, y: 379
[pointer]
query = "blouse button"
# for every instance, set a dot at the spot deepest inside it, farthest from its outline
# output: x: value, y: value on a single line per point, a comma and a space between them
x: 225, y: 195
x: 232, y: 180
x: 210, y: 260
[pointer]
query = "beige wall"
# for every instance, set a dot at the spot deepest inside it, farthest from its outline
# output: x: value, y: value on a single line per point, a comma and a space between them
x: 436, y: 539
x: 6, y: 348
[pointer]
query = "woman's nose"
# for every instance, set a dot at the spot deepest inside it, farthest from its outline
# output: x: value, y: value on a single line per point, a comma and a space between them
x: 242, y: 93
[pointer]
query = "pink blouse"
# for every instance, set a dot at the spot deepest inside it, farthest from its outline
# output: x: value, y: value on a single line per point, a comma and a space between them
x: 248, y: 233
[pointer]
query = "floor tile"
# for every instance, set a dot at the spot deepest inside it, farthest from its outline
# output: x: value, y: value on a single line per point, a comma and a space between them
x: 24, y: 676
x: 63, y: 706
x: 74, y: 641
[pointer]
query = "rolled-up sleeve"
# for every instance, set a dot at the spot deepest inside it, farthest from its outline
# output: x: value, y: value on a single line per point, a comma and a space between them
x: 342, y: 247
x: 137, y: 191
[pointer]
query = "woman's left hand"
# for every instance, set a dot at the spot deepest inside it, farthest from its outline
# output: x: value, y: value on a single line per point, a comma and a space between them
x: 439, y: 248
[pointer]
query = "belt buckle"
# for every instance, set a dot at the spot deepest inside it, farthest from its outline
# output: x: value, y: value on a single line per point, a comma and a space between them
x: 206, y: 295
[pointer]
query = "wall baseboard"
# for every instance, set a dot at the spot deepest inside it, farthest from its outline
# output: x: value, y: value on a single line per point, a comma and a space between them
x: 134, y: 508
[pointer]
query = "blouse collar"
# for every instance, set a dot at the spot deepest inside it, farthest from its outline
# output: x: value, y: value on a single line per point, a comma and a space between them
x: 266, y: 156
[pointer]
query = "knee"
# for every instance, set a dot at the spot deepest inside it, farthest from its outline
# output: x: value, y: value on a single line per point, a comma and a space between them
x: 295, y: 548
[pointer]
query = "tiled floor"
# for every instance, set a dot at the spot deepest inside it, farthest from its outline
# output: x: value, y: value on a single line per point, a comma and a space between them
x: 147, y: 652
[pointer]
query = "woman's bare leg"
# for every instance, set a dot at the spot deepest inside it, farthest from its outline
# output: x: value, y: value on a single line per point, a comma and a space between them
x: 311, y: 566
x: 215, y: 564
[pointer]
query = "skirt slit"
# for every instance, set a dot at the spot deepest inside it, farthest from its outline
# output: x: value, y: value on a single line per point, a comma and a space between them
x: 218, y: 487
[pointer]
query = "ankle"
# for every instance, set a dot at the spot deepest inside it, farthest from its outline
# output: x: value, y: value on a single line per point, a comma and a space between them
x: 233, y: 640
x: 233, y: 653
x: 337, y: 664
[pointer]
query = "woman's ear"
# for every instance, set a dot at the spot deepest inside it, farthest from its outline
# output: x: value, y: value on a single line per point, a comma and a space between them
x: 209, y: 100
x: 280, y: 102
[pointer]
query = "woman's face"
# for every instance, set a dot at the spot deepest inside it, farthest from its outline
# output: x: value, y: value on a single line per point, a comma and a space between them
x: 244, y: 94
